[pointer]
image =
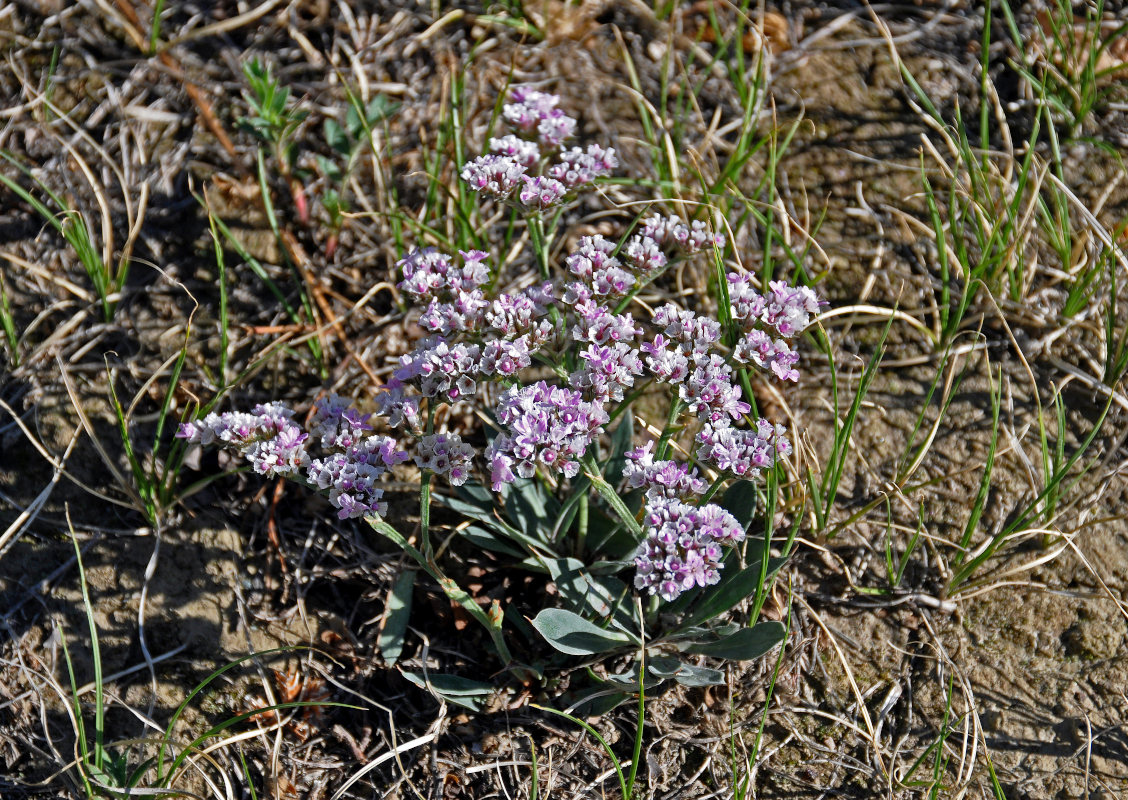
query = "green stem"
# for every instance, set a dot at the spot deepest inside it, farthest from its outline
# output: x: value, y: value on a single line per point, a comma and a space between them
x: 540, y: 244
x: 490, y: 620
x: 608, y: 493
x: 582, y: 526
x: 603, y: 742
x: 425, y: 514
x: 425, y: 494
x: 772, y: 495
x: 676, y: 406
x: 630, y: 398
x: 714, y: 487
x: 95, y: 657
x: 640, y: 725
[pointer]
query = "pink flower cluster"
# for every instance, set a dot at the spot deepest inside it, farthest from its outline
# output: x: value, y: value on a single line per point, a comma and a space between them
x: 445, y: 454
x: 543, y: 426
x: 684, y: 546
x: 661, y: 478
x: 429, y: 273
x: 768, y: 321
x: 275, y: 444
x: 352, y: 477
x: 742, y: 452
x: 539, y: 128
x: 268, y: 437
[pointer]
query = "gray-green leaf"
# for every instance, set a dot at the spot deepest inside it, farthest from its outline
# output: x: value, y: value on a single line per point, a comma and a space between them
x: 570, y: 633
x: 454, y: 688
x: 685, y: 674
x: 390, y: 640
x: 746, y: 644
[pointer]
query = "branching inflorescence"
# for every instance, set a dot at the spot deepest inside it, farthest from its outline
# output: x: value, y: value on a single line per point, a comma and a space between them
x: 478, y: 336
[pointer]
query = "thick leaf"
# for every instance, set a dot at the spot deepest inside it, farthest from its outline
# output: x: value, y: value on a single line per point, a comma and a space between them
x: 621, y: 440
x: 472, y: 510
x: 477, y: 494
x: 690, y: 675
x: 685, y: 674
x: 740, y: 501
x: 454, y: 688
x: 688, y: 637
x: 390, y: 640
x: 571, y: 507
x: 488, y: 540
x: 529, y: 508
x: 609, y: 567
x: 746, y: 644
x: 608, y: 536
x: 589, y: 594
x: 570, y: 633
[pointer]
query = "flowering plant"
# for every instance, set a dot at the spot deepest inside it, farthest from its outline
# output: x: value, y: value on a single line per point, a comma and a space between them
x: 556, y: 364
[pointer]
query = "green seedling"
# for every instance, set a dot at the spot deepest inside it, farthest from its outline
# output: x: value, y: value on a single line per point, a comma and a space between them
x: 8, y: 323
x: 1070, y: 59
x: 347, y: 142
x: 107, y: 280
x: 272, y: 120
x: 824, y: 490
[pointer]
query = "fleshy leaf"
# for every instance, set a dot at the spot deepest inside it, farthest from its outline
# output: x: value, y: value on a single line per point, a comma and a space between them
x: 621, y: 440
x: 529, y: 508
x: 390, y: 640
x: 685, y: 674
x: 570, y: 633
x: 604, y: 596
x: 488, y: 540
x: 746, y: 644
x: 740, y: 501
x: 454, y: 688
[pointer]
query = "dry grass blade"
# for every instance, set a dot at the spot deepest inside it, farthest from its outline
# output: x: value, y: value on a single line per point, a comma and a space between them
x: 395, y: 752
x: 55, y: 463
x: 28, y: 515
x: 76, y: 403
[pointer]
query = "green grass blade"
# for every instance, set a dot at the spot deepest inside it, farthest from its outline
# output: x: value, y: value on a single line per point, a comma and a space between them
x: 95, y: 656
x: 8, y: 322
x: 843, y: 431
x: 980, y: 501
x: 602, y: 742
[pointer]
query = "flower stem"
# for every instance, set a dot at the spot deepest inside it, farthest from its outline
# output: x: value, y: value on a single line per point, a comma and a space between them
x: 712, y: 490
x: 609, y: 494
x: 490, y: 620
x: 540, y: 244
x: 676, y: 406
x: 582, y: 526
x: 425, y: 495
